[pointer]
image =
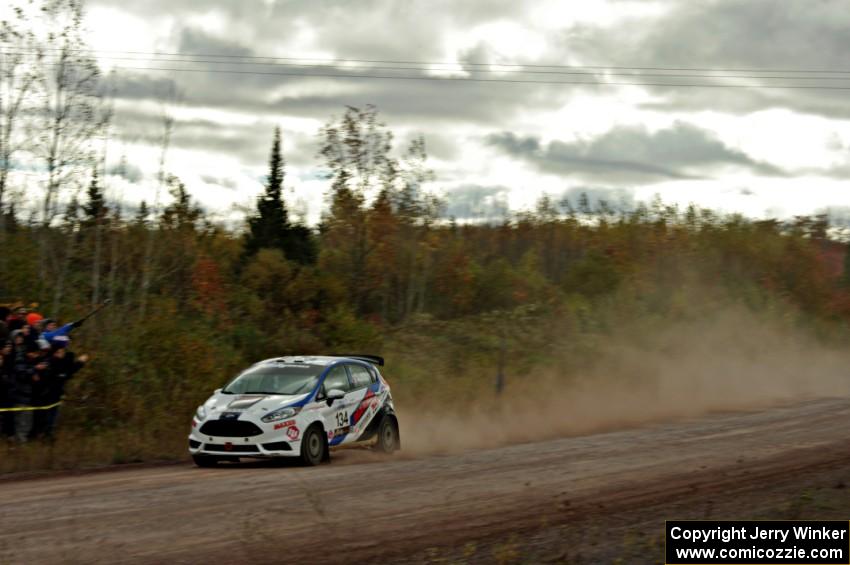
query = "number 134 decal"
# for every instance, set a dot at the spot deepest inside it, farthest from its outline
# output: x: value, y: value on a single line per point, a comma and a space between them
x: 342, y: 418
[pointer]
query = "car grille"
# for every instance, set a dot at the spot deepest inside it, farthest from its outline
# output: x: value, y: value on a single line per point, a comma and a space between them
x: 230, y: 428
x: 233, y: 448
x: 277, y: 446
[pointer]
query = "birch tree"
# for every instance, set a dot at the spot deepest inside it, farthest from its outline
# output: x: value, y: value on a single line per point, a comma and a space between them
x: 70, y: 120
x: 20, y: 60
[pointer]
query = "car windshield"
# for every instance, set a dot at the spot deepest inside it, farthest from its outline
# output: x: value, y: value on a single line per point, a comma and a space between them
x: 278, y: 378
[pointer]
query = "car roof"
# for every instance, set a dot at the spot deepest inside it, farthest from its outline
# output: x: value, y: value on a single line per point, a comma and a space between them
x: 323, y: 360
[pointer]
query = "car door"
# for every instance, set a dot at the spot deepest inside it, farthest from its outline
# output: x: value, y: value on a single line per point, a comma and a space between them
x: 363, y: 402
x: 337, y: 415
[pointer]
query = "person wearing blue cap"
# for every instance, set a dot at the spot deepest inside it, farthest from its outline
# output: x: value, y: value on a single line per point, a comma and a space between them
x: 52, y: 329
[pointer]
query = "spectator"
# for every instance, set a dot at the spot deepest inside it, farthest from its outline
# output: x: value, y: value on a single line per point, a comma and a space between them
x: 52, y: 329
x: 7, y: 422
x: 40, y: 390
x: 4, y: 329
x: 34, y: 367
x: 63, y: 365
x: 33, y: 318
x: 35, y: 345
x: 24, y: 378
x: 17, y: 319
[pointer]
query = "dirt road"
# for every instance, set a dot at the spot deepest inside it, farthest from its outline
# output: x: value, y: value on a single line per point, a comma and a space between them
x: 363, y: 506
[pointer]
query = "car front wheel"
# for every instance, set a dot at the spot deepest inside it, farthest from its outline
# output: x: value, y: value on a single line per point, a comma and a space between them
x: 313, y: 449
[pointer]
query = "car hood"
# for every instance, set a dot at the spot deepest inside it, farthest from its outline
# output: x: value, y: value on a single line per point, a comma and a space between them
x: 254, y: 404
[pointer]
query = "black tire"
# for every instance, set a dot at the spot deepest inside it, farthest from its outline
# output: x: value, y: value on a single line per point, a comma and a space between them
x: 205, y: 460
x: 313, y: 446
x: 388, y: 436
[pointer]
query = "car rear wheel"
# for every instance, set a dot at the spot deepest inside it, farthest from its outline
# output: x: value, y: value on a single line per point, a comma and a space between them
x: 313, y: 449
x: 388, y: 436
x: 205, y: 460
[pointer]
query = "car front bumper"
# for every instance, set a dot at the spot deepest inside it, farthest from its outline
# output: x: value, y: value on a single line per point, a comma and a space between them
x: 269, y: 443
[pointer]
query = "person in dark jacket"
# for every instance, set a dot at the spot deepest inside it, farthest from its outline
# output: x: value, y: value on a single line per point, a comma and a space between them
x: 4, y: 329
x: 7, y: 420
x: 62, y: 366
x: 26, y: 370
x: 40, y: 360
x: 17, y: 319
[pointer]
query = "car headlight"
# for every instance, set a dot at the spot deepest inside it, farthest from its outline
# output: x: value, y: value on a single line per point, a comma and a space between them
x: 201, y: 413
x: 281, y: 414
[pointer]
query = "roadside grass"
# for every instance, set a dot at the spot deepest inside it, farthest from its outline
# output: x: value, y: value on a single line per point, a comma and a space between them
x: 73, y: 449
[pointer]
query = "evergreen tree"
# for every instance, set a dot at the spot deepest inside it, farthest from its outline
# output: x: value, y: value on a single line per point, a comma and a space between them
x: 142, y: 214
x: 94, y: 210
x: 270, y: 227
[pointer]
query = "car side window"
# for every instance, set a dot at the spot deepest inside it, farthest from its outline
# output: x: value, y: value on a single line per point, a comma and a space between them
x: 360, y: 376
x: 337, y: 378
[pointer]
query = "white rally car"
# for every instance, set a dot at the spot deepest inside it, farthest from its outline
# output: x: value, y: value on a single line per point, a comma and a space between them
x: 296, y: 407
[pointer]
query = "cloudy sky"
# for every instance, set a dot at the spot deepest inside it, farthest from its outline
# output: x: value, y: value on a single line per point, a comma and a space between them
x: 496, y: 146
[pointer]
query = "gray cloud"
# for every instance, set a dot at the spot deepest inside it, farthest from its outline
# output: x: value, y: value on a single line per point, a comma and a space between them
x: 292, y: 91
x: 715, y: 33
x: 138, y: 86
x: 127, y: 171
x: 631, y: 154
x: 249, y: 142
x: 195, y: 41
x: 476, y: 202
x: 792, y: 34
x: 224, y: 182
x: 408, y: 30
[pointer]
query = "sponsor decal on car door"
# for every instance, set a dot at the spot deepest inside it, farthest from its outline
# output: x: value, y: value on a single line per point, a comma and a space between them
x: 364, y: 401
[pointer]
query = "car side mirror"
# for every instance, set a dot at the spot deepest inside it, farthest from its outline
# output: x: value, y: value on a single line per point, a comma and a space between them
x: 334, y: 394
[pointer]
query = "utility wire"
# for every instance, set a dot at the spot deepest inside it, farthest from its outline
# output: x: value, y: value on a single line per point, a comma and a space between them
x: 476, y: 71
x: 343, y: 72
x: 449, y: 63
x: 487, y: 80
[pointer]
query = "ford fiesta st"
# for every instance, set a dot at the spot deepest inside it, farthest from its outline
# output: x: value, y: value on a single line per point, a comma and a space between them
x: 296, y: 407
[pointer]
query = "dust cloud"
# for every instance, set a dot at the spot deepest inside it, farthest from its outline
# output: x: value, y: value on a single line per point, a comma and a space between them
x: 733, y: 361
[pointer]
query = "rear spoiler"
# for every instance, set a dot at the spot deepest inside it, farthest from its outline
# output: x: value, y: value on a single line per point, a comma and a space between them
x: 374, y: 359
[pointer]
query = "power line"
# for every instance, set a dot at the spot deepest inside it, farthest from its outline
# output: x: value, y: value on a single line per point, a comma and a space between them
x: 455, y: 64
x: 486, y: 80
x: 344, y: 73
x: 478, y: 71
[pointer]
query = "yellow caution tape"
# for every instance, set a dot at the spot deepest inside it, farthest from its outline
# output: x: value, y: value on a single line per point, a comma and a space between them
x: 28, y: 408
